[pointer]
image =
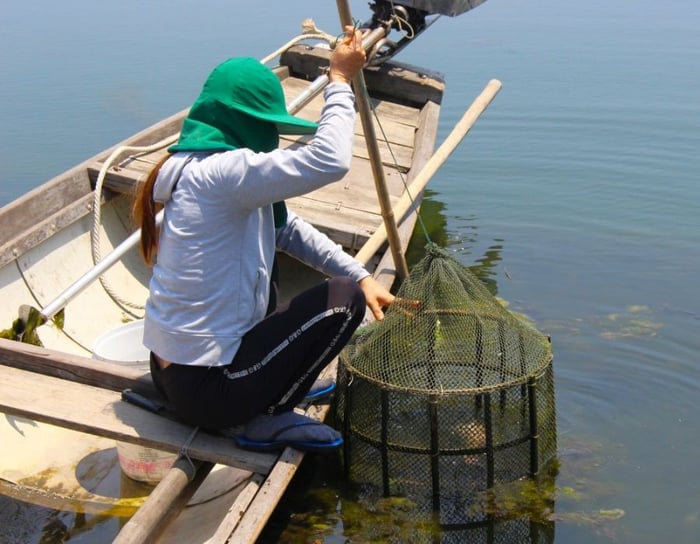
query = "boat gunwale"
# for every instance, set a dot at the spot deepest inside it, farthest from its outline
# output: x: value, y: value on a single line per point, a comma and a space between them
x: 22, y: 224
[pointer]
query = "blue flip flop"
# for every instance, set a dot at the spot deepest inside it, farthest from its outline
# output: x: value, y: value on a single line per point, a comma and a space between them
x: 322, y: 393
x: 275, y: 444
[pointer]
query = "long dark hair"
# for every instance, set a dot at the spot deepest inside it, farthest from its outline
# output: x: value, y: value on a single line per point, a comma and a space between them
x: 144, y: 210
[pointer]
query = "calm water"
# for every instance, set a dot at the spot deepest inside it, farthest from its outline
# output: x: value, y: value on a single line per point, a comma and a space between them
x: 575, y: 197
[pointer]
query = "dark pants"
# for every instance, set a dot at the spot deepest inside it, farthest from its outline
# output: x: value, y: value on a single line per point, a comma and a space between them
x: 276, y: 364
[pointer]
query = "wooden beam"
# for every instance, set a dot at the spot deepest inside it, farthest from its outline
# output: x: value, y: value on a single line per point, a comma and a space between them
x: 85, y: 370
x: 237, y: 510
x: 165, y: 502
x: 403, y: 83
x: 260, y: 508
x: 43, y: 226
x: 101, y: 412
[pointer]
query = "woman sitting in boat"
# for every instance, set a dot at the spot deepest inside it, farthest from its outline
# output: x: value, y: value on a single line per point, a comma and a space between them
x: 223, y: 353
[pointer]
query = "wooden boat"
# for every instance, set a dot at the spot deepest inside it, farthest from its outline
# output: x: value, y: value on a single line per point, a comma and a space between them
x: 64, y: 415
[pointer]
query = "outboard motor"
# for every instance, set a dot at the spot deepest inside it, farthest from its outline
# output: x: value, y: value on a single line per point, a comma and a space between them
x: 441, y: 7
x: 410, y: 18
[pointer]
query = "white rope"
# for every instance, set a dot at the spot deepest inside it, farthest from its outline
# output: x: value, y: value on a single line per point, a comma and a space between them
x: 97, y: 209
x: 309, y: 32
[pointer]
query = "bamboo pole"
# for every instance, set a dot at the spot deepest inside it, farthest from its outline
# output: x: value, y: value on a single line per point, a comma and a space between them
x: 459, y: 131
x: 165, y: 502
x: 365, y: 109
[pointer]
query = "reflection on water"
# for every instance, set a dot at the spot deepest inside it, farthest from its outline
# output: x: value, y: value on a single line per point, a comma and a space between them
x: 432, y: 227
x: 89, y: 503
x: 321, y: 506
x: 574, y: 198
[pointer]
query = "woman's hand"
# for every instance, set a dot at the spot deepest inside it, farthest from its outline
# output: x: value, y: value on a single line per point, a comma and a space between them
x: 348, y: 57
x: 376, y: 295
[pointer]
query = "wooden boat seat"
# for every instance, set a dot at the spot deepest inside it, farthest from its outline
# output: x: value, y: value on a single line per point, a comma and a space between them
x: 100, y: 411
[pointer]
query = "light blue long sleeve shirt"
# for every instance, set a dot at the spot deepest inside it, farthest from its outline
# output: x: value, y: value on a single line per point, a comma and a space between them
x: 211, y: 281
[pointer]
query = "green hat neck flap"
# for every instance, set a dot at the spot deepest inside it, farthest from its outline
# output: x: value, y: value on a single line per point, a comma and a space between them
x: 241, y: 106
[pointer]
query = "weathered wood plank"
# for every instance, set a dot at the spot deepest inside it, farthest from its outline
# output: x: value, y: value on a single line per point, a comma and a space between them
x: 357, y: 191
x: 259, y: 510
x: 43, y: 227
x: 237, y: 510
x: 408, y: 84
x: 165, y: 502
x: 399, y: 156
x: 101, y: 412
x: 127, y: 172
x: 51, y: 198
x: 31, y: 219
x: 122, y: 180
x: 85, y: 370
x: 390, y: 111
x: 346, y: 227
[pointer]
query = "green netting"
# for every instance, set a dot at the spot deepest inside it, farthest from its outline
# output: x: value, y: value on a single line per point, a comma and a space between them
x: 447, y: 396
x: 459, y: 338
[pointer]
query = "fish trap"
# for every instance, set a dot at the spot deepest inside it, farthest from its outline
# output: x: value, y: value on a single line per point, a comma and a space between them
x: 446, y: 397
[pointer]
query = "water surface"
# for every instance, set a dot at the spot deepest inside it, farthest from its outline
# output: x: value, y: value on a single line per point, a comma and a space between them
x: 575, y: 198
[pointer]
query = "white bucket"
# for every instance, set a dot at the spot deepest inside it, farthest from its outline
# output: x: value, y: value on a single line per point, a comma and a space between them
x: 124, y: 345
x: 144, y: 464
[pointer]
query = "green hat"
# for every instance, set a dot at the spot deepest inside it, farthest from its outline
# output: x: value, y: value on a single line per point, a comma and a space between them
x: 241, y: 105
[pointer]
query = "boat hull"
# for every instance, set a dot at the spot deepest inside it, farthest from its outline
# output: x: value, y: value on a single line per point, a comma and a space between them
x: 49, y: 244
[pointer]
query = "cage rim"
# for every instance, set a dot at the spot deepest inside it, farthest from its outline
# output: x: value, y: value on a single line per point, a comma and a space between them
x: 537, y: 373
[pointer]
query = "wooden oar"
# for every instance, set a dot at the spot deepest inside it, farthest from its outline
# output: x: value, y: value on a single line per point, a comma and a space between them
x: 459, y: 131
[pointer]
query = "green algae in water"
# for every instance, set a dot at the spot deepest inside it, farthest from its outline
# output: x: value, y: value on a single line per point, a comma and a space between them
x: 532, y: 498
x: 330, y: 510
x: 636, y: 321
